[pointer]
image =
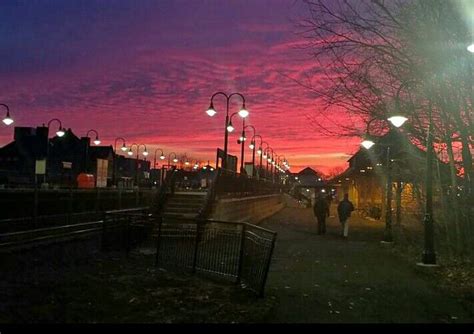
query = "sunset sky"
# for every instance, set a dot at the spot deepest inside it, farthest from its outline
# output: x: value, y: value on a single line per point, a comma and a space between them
x: 145, y: 70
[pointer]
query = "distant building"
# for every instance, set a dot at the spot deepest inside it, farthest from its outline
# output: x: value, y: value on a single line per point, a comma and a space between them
x: 366, y: 177
x: 66, y: 157
x: 306, y: 184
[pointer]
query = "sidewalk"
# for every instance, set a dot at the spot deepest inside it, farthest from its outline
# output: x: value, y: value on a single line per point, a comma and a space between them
x: 325, y: 279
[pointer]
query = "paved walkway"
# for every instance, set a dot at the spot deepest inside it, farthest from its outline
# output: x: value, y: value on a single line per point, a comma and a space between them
x: 324, y: 279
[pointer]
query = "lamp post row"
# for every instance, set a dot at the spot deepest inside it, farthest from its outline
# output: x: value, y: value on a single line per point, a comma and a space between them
x: 228, y: 127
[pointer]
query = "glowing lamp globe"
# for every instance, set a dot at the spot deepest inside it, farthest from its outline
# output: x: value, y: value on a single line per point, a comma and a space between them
x: 367, y: 144
x: 243, y: 113
x: 397, y: 121
x: 60, y: 132
x: 130, y: 152
x: 259, y: 151
x: 211, y: 111
x: 470, y: 48
x: 7, y: 120
x: 145, y: 153
x: 123, y: 148
x: 230, y: 128
x: 251, y: 146
x: 162, y: 157
x: 97, y: 141
x: 175, y: 160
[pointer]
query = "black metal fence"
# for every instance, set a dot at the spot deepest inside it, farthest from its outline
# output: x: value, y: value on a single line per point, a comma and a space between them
x: 237, y: 252
x: 18, y: 203
x: 107, y: 228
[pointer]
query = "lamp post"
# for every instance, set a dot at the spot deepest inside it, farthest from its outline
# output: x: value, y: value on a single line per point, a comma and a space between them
x: 269, y: 161
x: 124, y: 149
x: 263, y: 155
x: 240, y: 141
x: 429, y: 255
x: 175, y: 159
x: 184, y: 161
x: 145, y: 153
x: 7, y: 120
x: 211, y: 112
x: 281, y: 159
x: 59, y: 133
x: 396, y: 121
x: 96, y: 142
x: 259, y: 152
x: 162, y: 157
x: 252, y: 147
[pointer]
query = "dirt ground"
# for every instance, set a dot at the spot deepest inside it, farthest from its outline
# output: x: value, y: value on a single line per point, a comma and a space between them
x: 114, y: 288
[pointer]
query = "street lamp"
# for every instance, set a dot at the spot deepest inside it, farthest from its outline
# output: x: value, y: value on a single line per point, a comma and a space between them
x: 268, y: 158
x: 396, y: 121
x: 7, y: 120
x: 96, y: 140
x: 470, y: 48
x: 60, y: 131
x: 130, y: 152
x: 242, y: 113
x: 263, y: 155
x: 86, y: 155
x: 162, y: 157
x: 259, y: 152
x: 175, y: 159
x: 124, y: 149
x: 252, y: 147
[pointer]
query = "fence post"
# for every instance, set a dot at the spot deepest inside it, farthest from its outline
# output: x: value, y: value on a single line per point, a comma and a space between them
x: 71, y: 205
x: 158, y: 239
x: 97, y: 199
x: 267, y: 267
x: 199, y: 225
x: 35, y: 203
x: 104, y: 231
x: 128, y: 231
x: 241, y: 253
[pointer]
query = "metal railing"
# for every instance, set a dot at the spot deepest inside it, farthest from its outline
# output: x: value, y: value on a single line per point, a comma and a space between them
x: 238, y: 185
x: 104, y: 224
x: 237, y: 252
x: 29, y: 223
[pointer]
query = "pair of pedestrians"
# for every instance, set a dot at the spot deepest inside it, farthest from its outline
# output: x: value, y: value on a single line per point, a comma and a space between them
x: 344, y: 210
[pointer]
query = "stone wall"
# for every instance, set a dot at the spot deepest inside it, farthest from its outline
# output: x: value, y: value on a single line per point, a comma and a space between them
x: 248, y: 209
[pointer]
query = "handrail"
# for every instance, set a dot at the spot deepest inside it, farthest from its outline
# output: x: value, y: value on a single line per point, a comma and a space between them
x: 162, y: 194
x: 210, y: 197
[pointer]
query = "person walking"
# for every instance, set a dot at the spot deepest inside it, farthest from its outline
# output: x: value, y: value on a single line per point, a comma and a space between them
x: 321, y: 211
x: 344, y: 210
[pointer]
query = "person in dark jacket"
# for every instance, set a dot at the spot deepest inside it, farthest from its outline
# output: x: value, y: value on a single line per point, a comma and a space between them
x: 344, y: 210
x: 321, y: 211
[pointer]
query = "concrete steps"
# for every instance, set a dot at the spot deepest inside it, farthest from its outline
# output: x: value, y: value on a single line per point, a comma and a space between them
x: 184, y: 204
